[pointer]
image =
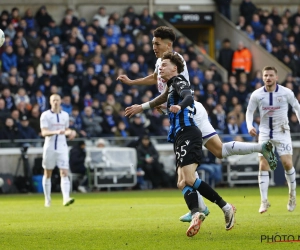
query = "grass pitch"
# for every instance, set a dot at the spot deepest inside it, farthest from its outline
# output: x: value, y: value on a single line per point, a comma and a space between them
x: 143, y: 220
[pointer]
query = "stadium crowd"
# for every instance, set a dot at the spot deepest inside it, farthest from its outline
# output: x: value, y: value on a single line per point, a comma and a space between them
x: 81, y: 61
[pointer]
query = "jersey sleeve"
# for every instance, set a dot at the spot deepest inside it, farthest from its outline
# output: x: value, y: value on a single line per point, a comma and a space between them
x: 181, y: 85
x: 252, y: 105
x: 43, y: 121
x: 67, y: 121
x: 292, y: 100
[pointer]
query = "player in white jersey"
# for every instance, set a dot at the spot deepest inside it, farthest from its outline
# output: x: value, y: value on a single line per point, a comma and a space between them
x: 54, y: 125
x: 273, y: 101
x: 162, y: 42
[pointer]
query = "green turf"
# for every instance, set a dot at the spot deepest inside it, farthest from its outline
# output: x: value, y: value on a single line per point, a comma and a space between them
x: 142, y: 220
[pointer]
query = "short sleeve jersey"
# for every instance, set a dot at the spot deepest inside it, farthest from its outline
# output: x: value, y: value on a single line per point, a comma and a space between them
x: 54, y: 121
x: 273, y: 108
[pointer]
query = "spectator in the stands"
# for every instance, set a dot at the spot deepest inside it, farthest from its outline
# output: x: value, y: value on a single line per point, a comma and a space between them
x: 25, y: 130
x: 91, y: 123
x: 101, y: 93
x: 249, y: 32
x: 242, y: 60
x: 109, y: 123
x: 40, y: 99
x: 87, y: 100
x: 4, y: 112
x: 238, y: 113
x: 34, y: 119
x: 21, y: 96
x: 119, y: 93
x: 224, y: 8
x: 225, y: 55
x: 8, y: 98
x: 102, y: 17
x: 77, y: 122
x: 241, y: 24
x: 110, y: 100
x: 290, y: 63
x: 220, y: 114
x: 9, y: 131
x: 121, y: 130
x: 247, y: 9
x: 137, y: 127
x: 217, y: 78
x: 232, y: 129
x: 257, y: 78
x: 257, y: 26
x: 42, y: 17
x: 265, y: 43
x: 66, y: 104
x: 8, y: 58
x: 10, y: 31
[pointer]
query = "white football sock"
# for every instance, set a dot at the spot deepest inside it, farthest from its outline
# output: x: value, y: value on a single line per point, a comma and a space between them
x: 290, y: 177
x: 263, y: 182
x: 47, y: 188
x: 239, y: 148
x: 226, y: 207
x: 65, y: 187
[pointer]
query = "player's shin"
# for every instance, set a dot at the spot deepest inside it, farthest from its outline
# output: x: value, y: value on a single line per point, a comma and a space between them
x: 263, y: 181
x: 46, y: 182
x: 191, y: 199
x: 65, y: 187
x: 239, y: 148
x: 290, y: 176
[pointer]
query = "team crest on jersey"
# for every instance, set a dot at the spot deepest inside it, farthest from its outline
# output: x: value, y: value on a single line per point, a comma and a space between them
x: 279, y: 98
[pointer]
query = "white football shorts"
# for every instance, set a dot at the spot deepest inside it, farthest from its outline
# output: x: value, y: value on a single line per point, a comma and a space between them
x: 52, y: 158
x: 281, y: 141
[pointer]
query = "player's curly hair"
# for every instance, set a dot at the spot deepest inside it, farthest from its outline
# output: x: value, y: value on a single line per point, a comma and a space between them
x: 174, y: 59
x: 270, y: 68
x: 164, y: 32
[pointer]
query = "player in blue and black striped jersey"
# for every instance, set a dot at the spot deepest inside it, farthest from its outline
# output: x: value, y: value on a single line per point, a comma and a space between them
x: 179, y: 93
x: 187, y: 139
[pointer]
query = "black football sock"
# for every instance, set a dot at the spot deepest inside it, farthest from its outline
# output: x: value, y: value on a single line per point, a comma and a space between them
x: 206, y: 191
x: 191, y: 199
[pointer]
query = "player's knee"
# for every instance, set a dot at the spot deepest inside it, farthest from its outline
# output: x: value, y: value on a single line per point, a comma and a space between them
x: 180, y: 184
x: 218, y: 154
x: 47, y: 173
x: 63, y: 172
x: 287, y: 164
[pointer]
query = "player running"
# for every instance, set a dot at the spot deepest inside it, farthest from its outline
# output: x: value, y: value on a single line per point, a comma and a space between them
x: 55, y: 127
x: 273, y: 102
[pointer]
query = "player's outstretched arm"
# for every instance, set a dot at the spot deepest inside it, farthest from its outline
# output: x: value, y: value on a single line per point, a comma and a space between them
x: 148, y: 80
x: 135, y: 109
